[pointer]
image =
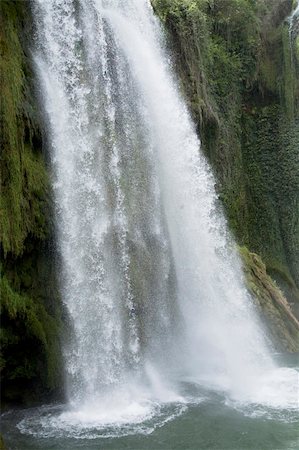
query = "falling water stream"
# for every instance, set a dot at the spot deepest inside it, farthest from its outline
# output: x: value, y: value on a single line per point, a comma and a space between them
x: 162, y: 326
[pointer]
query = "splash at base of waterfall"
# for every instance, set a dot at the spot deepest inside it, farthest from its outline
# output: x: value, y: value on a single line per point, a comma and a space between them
x: 141, y: 410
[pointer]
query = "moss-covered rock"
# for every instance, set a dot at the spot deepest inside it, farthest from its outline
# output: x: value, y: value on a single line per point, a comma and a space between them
x: 23, y: 173
x: 275, y: 309
x: 2, y: 446
x: 30, y: 306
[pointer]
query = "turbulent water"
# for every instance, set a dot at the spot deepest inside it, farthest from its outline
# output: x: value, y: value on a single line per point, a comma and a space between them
x: 149, y: 275
x: 294, y: 20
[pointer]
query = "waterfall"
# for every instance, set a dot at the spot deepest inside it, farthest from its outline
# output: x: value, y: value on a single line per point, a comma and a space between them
x: 293, y: 20
x: 149, y: 274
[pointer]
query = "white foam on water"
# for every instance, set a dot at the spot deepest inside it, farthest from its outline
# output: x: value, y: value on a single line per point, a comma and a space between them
x: 117, y: 414
x: 273, y: 395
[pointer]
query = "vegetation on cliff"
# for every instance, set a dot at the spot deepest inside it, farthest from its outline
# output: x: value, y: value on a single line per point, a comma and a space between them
x: 274, y: 309
x: 30, y: 310
x: 238, y: 70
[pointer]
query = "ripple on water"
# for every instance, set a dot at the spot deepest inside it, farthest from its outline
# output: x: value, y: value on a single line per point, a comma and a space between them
x: 136, y: 419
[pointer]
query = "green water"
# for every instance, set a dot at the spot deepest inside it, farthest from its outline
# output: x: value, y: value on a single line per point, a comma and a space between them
x: 211, y: 423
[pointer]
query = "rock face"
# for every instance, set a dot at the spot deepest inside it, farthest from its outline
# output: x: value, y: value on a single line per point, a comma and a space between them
x: 274, y: 309
x: 30, y: 306
x: 2, y: 446
x: 238, y: 69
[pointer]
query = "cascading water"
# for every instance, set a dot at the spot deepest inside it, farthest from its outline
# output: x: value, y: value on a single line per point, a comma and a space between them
x: 294, y: 20
x: 118, y: 277
x: 293, y: 33
x: 149, y: 274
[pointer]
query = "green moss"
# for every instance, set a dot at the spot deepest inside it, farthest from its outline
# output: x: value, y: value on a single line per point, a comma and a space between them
x: 30, y: 306
x: 275, y: 310
x: 297, y: 48
x: 25, y: 320
x: 2, y: 446
x: 23, y: 173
